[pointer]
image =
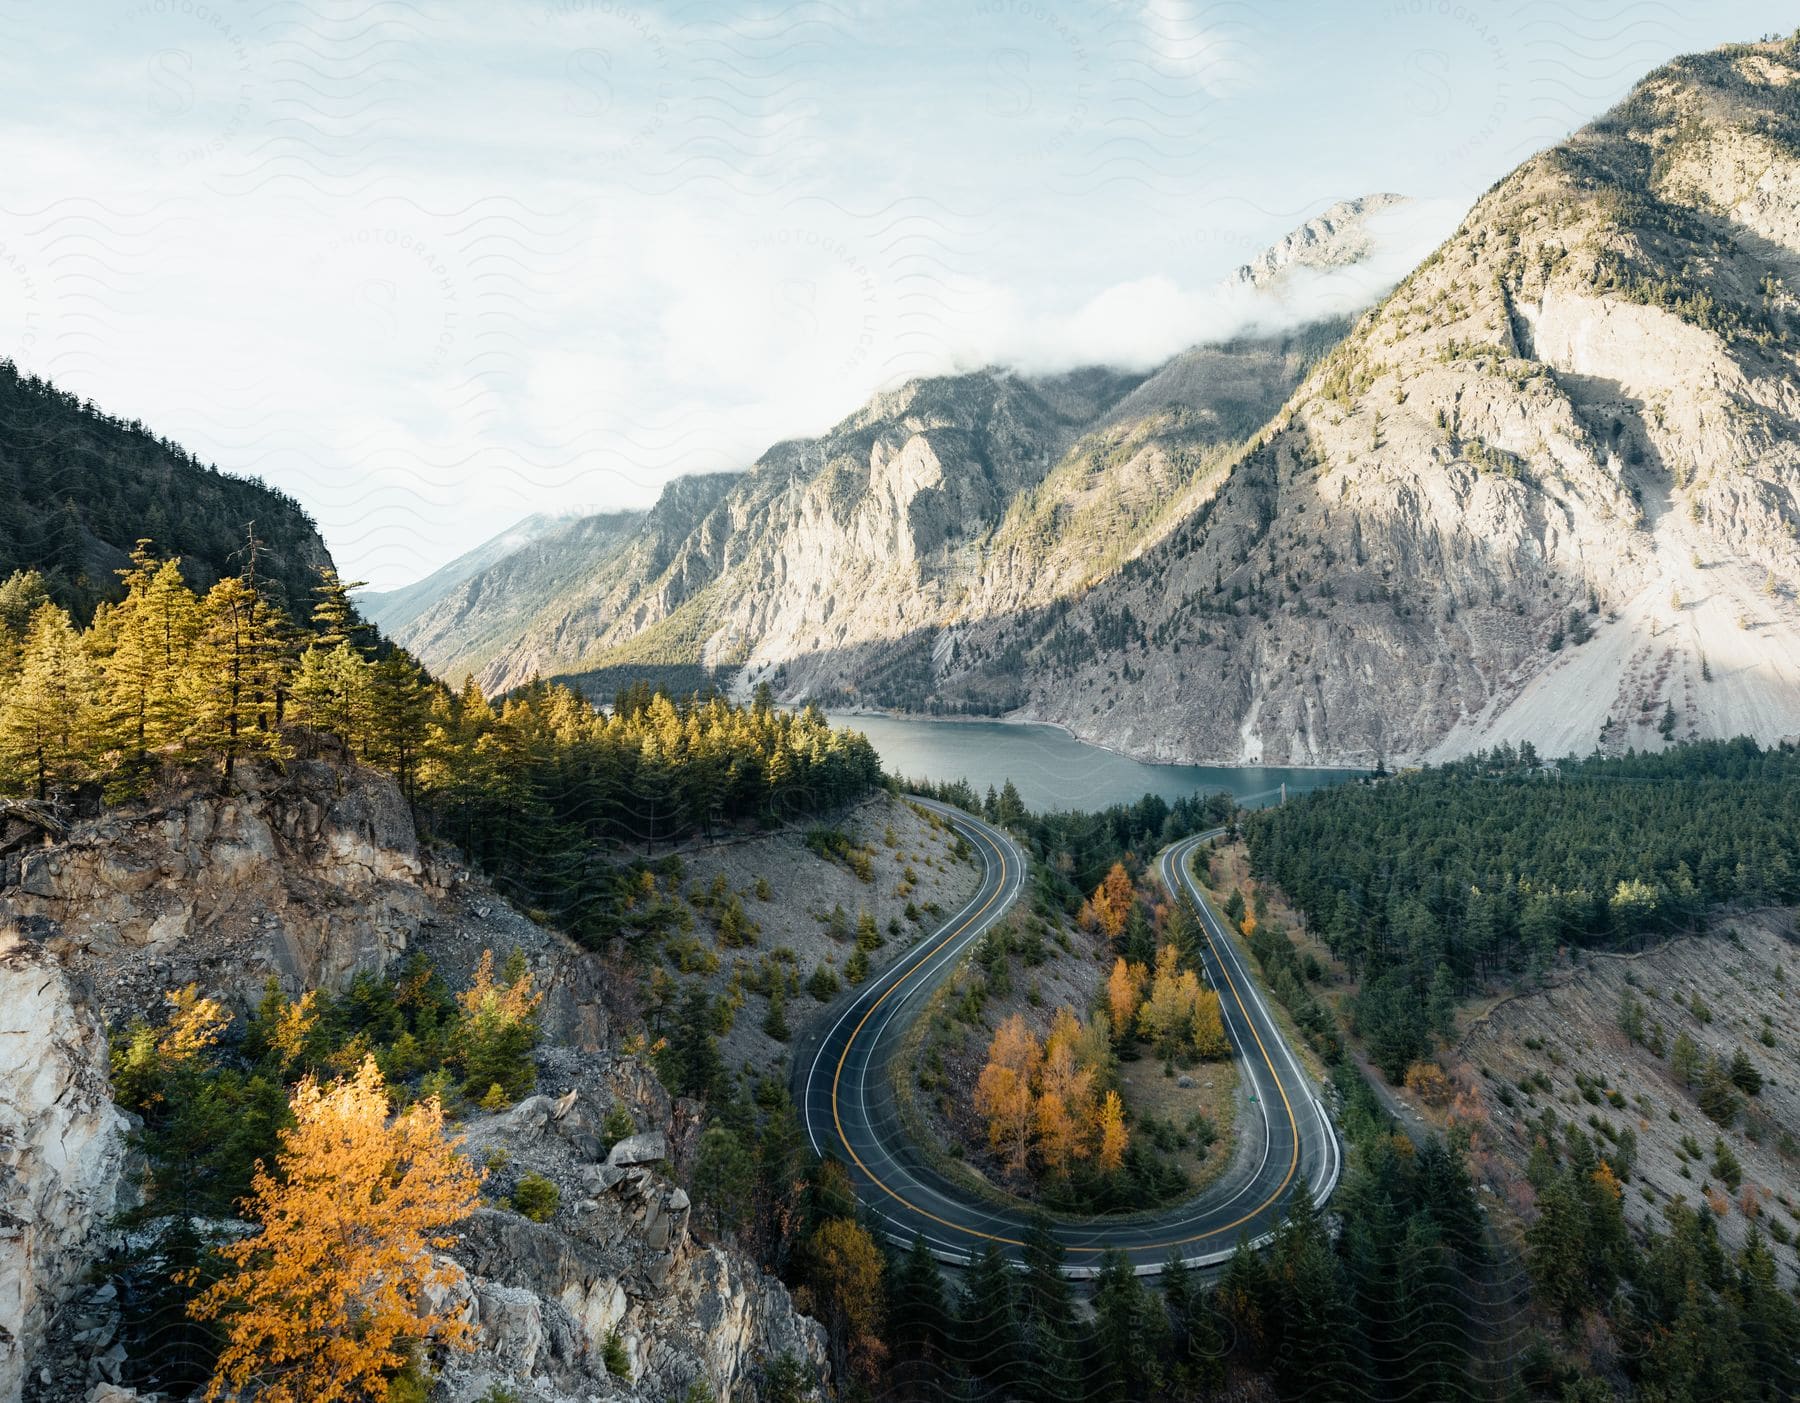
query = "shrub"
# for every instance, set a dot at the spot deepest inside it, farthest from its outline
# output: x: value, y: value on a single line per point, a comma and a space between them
x: 536, y: 1198
x: 617, y: 1125
x: 618, y: 1363
x: 823, y: 983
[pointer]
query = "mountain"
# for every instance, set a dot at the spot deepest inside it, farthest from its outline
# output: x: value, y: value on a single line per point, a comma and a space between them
x: 79, y: 488
x: 534, y: 609
x: 393, y: 611
x: 1549, y: 490
x: 831, y: 566
x: 1338, y: 238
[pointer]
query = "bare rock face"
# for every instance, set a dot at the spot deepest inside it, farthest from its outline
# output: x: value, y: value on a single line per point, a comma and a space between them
x: 1548, y: 491
x: 617, y: 1259
x: 310, y: 876
x: 1334, y: 239
x: 62, y: 1146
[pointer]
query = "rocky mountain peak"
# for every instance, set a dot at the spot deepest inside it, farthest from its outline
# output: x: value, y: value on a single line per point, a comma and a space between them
x: 1334, y: 239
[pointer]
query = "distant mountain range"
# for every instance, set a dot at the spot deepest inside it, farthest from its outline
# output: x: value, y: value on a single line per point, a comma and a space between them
x: 1547, y: 489
x: 898, y: 506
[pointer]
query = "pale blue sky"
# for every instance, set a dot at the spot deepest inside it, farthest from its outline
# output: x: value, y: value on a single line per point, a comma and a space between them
x: 430, y: 267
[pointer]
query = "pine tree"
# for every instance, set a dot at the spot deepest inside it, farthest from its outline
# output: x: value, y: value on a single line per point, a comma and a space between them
x: 50, y: 723
x: 400, y: 702
x: 235, y: 675
x: 691, y: 1065
x: 334, y: 618
x: 21, y: 594
x: 1310, y: 1300
x: 333, y: 692
x: 1052, y: 1342
x: 724, y: 1180
x: 1130, y: 1335
x: 1197, y: 1353
x: 153, y: 631
x: 988, y: 1339
x: 918, y: 1316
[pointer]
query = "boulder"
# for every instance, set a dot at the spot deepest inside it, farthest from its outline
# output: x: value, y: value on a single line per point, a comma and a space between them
x: 646, y: 1148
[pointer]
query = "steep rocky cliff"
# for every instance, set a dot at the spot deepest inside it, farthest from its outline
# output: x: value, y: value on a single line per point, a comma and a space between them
x: 1577, y: 417
x: 395, y: 609
x: 62, y: 1147
x: 312, y: 877
x: 538, y: 610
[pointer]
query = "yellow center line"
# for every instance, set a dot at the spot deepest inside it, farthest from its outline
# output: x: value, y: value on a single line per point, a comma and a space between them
x: 876, y: 1179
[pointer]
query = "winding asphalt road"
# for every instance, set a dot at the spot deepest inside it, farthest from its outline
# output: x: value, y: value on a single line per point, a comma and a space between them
x: 844, y: 1088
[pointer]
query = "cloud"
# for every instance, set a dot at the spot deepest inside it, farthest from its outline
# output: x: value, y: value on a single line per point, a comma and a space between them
x: 1142, y: 322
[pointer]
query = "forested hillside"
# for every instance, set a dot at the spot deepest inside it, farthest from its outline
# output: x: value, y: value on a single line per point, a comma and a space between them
x: 78, y: 489
x: 1433, y: 884
x: 532, y: 787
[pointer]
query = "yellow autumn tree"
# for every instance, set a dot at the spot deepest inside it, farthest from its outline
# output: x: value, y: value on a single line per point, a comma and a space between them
x: 1114, y: 1138
x: 1068, y: 1071
x: 1167, y: 1016
x: 846, y: 1288
x: 195, y: 1023
x: 330, y: 1298
x: 1003, y: 1094
x: 1058, y: 1136
x: 294, y: 1024
x: 1208, y: 1026
x: 1112, y: 901
x: 1123, y: 990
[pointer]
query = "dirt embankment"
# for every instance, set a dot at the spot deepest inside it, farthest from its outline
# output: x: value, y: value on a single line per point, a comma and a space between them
x: 1733, y: 991
x: 802, y: 903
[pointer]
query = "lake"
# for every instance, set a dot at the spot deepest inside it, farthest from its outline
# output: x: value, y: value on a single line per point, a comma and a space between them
x: 1053, y: 770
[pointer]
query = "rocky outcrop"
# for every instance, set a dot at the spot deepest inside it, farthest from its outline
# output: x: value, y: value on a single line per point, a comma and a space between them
x: 313, y: 877
x: 309, y: 876
x: 617, y: 1261
x: 62, y: 1147
x: 1337, y: 238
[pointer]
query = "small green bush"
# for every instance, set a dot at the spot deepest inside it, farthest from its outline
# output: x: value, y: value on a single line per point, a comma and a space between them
x: 823, y: 983
x: 617, y: 1125
x: 536, y: 1198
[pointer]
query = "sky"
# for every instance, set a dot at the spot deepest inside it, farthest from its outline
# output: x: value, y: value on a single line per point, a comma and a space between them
x: 429, y: 267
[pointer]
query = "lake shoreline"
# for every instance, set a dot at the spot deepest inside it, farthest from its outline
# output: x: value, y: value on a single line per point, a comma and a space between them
x: 851, y: 712
x: 1055, y: 769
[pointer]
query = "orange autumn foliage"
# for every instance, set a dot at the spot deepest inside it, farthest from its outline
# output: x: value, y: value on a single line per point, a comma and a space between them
x: 328, y: 1300
x: 1123, y: 990
x: 1042, y: 1097
x: 1058, y: 1138
x: 1112, y: 901
x: 1003, y: 1094
x: 1113, y: 1136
